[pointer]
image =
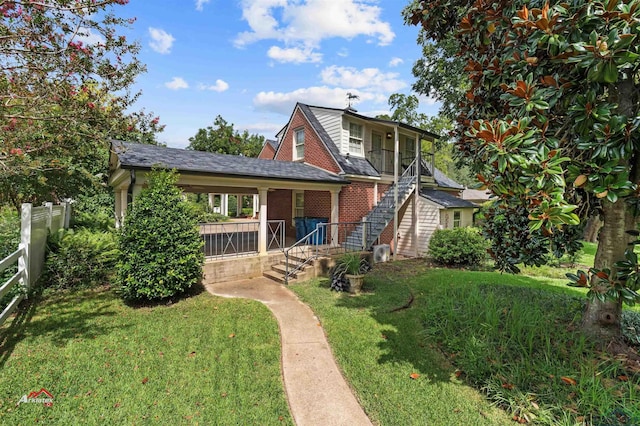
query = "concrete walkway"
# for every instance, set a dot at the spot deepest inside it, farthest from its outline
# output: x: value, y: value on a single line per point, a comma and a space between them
x: 317, y: 392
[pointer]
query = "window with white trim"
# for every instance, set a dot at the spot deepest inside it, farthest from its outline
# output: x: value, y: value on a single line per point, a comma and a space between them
x: 457, y: 218
x: 298, y: 141
x: 355, y: 138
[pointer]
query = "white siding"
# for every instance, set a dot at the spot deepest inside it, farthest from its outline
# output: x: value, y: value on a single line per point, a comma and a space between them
x: 429, y: 219
x: 466, y: 217
x: 332, y: 123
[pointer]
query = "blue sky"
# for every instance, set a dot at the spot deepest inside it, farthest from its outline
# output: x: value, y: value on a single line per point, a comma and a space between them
x: 250, y: 61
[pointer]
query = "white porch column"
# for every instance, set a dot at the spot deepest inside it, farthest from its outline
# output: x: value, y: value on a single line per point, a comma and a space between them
x: 375, y: 194
x: 118, y: 207
x: 212, y: 201
x: 224, y: 204
x: 335, y: 216
x: 124, y: 203
x: 262, y: 228
x: 256, y: 205
x: 238, y: 204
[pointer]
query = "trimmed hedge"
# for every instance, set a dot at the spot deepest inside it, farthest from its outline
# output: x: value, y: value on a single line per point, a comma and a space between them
x: 458, y: 247
x: 160, y: 243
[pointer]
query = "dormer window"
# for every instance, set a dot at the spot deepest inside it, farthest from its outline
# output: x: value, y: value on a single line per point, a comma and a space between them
x: 355, y: 138
x: 298, y: 141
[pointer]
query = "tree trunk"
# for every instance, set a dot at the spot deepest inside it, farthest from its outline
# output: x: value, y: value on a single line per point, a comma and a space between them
x: 591, y: 229
x: 601, y: 320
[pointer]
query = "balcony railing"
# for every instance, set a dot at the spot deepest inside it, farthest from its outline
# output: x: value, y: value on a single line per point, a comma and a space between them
x: 383, y: 160
x: 232, y: 239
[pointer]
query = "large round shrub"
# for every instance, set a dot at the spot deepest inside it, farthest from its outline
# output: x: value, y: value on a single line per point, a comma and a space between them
x: 160, y: 244
x: 458, y: 247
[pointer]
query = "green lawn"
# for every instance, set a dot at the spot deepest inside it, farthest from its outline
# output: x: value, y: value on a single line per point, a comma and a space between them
x: 203, y: 360
x: 472, y: 337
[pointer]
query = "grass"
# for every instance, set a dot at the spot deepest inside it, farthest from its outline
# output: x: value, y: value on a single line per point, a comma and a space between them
x: 472, y: 337
x: 203, y: 360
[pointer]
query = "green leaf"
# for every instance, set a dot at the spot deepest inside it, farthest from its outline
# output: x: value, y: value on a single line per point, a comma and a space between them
x: 610, y: 72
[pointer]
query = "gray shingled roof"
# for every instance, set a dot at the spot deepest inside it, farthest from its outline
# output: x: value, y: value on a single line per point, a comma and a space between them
x: 139, y: 156
x: 350, y: 165
x: 445, y: 199
x: 441, y: 179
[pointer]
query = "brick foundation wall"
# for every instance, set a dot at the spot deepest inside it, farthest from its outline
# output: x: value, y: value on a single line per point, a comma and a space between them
x: 314, y: 150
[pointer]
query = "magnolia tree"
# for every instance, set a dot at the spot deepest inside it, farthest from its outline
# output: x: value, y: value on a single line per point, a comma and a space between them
x: 65, y: 75
x: 548, y: 119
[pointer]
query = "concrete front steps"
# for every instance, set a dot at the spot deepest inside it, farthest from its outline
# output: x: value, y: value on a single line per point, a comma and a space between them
x: 314, y: 268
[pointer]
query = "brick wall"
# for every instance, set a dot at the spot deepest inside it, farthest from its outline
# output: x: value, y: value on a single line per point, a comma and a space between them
x: 355, y: 201
x: 279, y: 208
x: 317, y: 204
x: 267, y: 152
x: 387, y: 235
x: 382, y: 188
x: 314, y: 150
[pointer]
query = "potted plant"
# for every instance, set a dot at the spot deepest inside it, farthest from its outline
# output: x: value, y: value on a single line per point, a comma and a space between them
x: 353, y: 268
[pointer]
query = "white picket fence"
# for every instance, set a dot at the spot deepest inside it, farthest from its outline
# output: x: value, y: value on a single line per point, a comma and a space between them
x: 35, y: 224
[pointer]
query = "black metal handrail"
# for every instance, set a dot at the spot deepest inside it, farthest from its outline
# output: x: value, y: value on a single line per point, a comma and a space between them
x: 326, y: 239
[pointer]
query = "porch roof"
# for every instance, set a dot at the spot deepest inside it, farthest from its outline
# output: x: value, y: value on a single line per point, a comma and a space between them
x: 145, y: 157
x: 445, y: 199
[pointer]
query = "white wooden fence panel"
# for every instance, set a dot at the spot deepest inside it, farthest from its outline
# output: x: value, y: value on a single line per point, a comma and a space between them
x: 35, y: 225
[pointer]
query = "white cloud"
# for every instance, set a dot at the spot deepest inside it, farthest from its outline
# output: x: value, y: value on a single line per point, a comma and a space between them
x: 294, y: 55
x: 176, y: 84
x: 161, y: 41
x: 394, y: 62
x: 343, y: 53
x: 88, y: 37
x: 200, y: 3
x: 427, y: 100
x: 335, y: 97
x: 220, y: 86
x: 371, y: 78
x: 308, y: 23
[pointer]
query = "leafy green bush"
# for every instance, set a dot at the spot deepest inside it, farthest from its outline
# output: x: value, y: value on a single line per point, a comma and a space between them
x: 80, y: 259
x: 630, y: 324
x: 457, y: 247
x: 203, y: 215
x: 161, y: 248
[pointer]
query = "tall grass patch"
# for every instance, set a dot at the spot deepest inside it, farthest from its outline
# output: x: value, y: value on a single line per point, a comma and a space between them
x: 521, y: 346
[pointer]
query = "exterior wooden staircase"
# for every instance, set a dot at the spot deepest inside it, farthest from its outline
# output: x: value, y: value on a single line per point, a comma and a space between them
x: 382, y: 213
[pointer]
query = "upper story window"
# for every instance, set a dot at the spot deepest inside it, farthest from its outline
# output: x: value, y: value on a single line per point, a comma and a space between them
x: 298, y: 141
x: 355, y: 138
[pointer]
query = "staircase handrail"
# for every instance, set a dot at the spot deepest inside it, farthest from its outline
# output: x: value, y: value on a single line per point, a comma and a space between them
x: 297, y: 245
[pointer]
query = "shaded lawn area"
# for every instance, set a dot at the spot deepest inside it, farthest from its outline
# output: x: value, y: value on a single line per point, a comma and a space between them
x: 204, y: 360
x: 470, y: 335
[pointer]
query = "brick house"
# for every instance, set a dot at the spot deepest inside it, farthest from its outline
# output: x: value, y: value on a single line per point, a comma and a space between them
x: 365, y: 150
x: 326, y: 163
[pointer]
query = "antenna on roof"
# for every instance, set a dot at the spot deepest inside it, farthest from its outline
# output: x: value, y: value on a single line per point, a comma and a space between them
x: 351, y: 97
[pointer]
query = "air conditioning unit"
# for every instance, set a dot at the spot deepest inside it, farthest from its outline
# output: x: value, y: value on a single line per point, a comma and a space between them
x: 381, y: 253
